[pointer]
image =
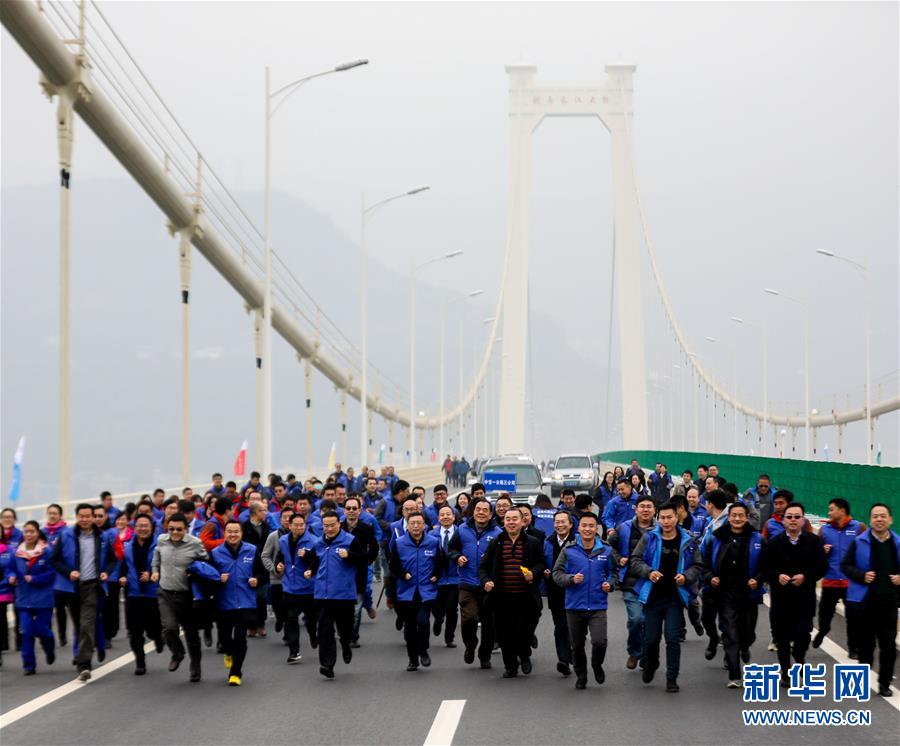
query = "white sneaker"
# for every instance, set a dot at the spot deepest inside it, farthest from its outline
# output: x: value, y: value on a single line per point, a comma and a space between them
x: 772, y: 646
x: 734, y: 684
x: 292, y: 659
x: 84, y: 675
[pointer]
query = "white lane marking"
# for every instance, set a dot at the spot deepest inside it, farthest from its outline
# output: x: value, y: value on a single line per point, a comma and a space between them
x: 17, y: 713
x: 445, y: 723
x: 842, y: 657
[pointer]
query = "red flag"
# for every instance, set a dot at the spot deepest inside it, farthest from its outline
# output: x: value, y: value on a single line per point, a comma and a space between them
x: 240, y: 463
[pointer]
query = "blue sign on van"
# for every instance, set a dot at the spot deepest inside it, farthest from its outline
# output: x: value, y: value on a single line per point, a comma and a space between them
x: 495, y: 481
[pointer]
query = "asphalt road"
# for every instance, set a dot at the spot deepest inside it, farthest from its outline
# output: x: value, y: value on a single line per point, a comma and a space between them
x: 375, y: 701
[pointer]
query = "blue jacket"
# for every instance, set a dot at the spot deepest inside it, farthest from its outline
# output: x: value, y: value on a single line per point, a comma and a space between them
x: 293, y: 581
x: 712, y: 550
x: 646, y: 558
x: 38, y: 594
x: 449, y: 570
x: 543, y: 520
x: 598, y: 567
x: 15, y: 538
x: 618, y: 510
x: 236, y: 592
x: 335, y: 576
x: 6, y: 569
x: 468, y: 543
x: 622, y: 544
x: 421, y: 560
x: 858, y: 561
x: 134, y: 587
x: 271, y: 519
x: 840, y: 540
x: 604, y: 495
x: 66, y: 553
x: 431, y: 514
x: 372, y: 521
x: 205, y: 580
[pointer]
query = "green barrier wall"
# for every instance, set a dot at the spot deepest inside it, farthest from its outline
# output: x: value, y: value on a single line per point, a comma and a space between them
x: 813, y: 482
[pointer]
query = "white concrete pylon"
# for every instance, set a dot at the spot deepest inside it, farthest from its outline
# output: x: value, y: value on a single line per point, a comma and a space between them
x: 528, y: 105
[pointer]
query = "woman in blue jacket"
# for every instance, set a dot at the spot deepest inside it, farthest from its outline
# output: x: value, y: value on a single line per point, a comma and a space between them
x: 32, y: 576
x: 235, y: 560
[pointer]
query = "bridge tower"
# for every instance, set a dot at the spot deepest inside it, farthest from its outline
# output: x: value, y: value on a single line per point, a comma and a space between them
x: 528, y: 105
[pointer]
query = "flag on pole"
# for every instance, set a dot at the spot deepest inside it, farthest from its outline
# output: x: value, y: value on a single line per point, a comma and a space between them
x: 332, y: 457
x: 240, y: 463
x: 16, y: 485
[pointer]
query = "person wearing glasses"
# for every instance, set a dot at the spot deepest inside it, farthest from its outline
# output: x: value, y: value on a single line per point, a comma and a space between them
x: 175, y: 551
x: 364, y: 533
x: 793, y: 562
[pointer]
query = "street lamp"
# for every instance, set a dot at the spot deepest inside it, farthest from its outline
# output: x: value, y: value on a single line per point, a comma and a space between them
x: 365, y: 214
x: 870, y: 446
x: 265, y: 448
x: 739, y: 320
x: 693, y: 355
x: 454, y: 297
x: 413, y: 268
x: 802, y: 305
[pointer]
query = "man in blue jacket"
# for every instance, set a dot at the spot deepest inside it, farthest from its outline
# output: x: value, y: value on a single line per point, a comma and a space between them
x: 467, y: 548
x: 141, y: 604
x: 837, y: 535
x: 446, y: 605
x: 415, y: 563
x: 620, y: 508
x: 83, y: 559
x: 236, y: 600
x: 872, y: 563
x: 588, y: 572
x: 667, y: 561
x: 291, y: 562
x: 333, y: 563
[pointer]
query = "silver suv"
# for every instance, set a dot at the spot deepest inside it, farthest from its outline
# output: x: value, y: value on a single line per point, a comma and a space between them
x: 574, y: 470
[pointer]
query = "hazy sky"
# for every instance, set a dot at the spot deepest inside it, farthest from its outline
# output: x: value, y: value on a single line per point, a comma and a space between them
x: 763, y: 131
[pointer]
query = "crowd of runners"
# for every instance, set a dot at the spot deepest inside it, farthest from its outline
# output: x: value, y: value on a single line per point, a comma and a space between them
x: 306, y: 560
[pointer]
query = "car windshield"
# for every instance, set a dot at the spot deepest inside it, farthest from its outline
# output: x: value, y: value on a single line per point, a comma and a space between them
x: 573, y: 462
x: 527, y: 476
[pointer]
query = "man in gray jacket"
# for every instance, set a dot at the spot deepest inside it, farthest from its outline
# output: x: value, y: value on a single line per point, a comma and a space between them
x: 175, y: 552
x: 267, y: 556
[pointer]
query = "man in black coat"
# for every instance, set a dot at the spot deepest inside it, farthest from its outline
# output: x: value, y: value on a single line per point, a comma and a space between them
x: 793, y: 562
x: 255, y: 530
x: 556, y: 596
x: 365, y: 535
x: 510, y: 574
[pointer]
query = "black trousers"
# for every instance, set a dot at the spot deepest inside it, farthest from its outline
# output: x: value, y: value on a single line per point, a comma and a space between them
x: 89, y: 598
x: 514, y: 615
x: 233, y: 625
x: 472, y: 609
x: 579, y: 622
x: 737, y: 622
x: 792, y: 619
x: 875, y: 621
x: 261, y: 613
x: 827, y: 605
x: 295, y: 605
x: 142, y: 618
x: 708, y: 614
x: 445, y: 609
x: 176, y: 609
x: 331, y: 614
x: 278, y: 602
x: 111, y: 611
x: 561, y: 637
x: 66, y: 602
x: 415, y: 615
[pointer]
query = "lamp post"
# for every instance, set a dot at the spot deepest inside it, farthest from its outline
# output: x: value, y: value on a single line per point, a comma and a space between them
x: 681, y: 375
x: 364, y: 215
x: 864, y: 270
x: 264, y: 449
x: 696, y: 405
x: 471, y: 294
x: 413, y: 268
x: 742, y: 321
x: 771, y: 291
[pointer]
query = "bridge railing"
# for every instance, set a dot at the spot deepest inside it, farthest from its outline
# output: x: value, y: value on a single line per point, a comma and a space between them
x: 813, y: 483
